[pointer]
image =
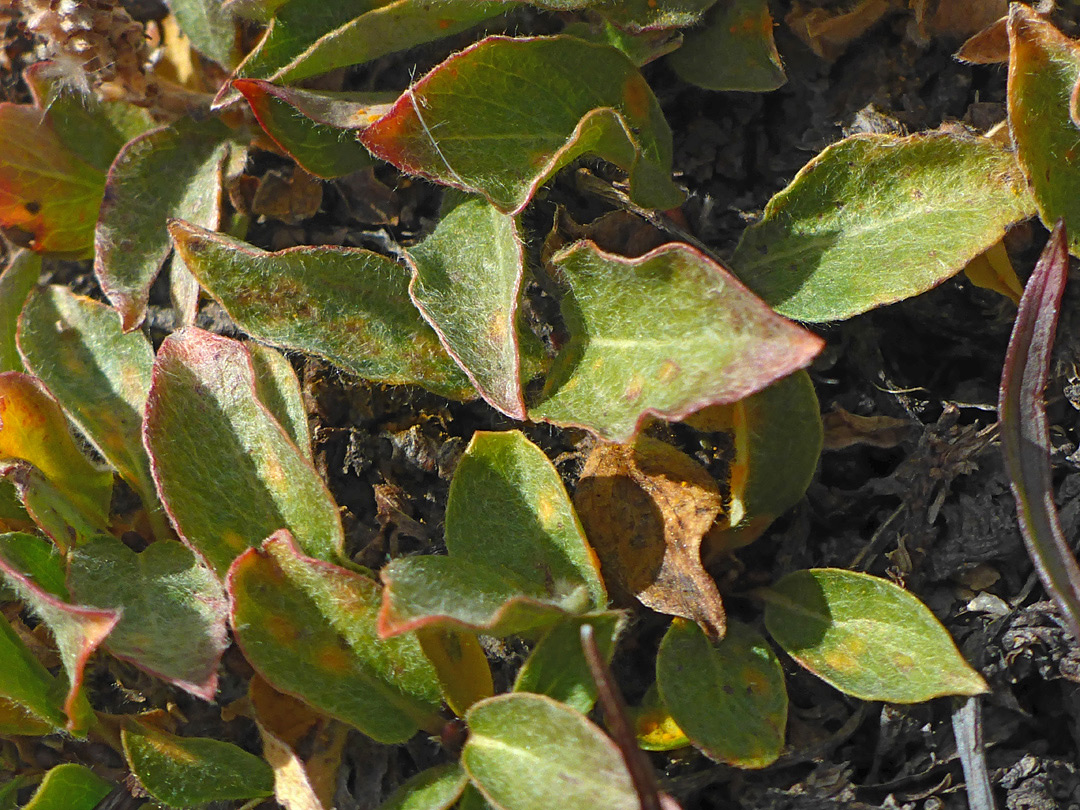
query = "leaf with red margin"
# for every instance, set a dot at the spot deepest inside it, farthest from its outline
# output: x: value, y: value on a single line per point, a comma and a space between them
x: 173, y: 610
x: 49, y: 198
x: 308, y: 628
x: 502, y: 116
x: 26, y: 683
x: 50, y: 508
x: 309, y: 37
x: 466, y: 281
x: 1044, y: 68
x: 1025, y: 432
x: 36, y: 572
x: 227, y: 472
x: 100, y: 375
x: 518, y: 559
x: 714, y: 342
x: 348, y: 305
x: 174, y: 171
x: 734, y: 50
x: 323, y: 149
x: 18, y: 279
x: 34, y: 429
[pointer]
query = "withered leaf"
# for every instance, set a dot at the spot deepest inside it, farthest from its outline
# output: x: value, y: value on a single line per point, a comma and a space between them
x: 645, y: 508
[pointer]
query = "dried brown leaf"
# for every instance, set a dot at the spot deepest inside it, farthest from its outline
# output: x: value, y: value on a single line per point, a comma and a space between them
x: 645, y: 508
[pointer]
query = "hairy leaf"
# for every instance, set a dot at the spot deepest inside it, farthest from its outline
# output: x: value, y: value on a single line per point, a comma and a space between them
x: 728, y: 696
x: 26, y: 684
x: 1044, y: 69
x: 866, y: 636
x: 62, y: 518
x: 210, y: 27
x: 227, y: 472
x: 49, y: 198
x: 34, y: 429
x: 348, y: 305
x: 715, y: 341
x: 556, y: 667
x: 174, y: 171
x: 502, y: 116
x: 466, y: 283
x: 921, y: 206
x: 100, y: 375
x: 523, y: 749
x: 734, y: 50
x: 278, y: 388
x: 35, y: 572
x: 185, y: 771
x: 172, y: 608
x: 309, y: 629
x: 1025, y: 430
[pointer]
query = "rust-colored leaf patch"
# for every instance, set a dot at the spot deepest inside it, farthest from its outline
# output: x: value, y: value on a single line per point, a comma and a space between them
x: 645, y: 508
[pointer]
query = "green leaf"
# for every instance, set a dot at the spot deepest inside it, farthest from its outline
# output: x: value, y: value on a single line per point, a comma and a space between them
x: 35, y: 571
x: 185, y: 771
x: 1025, y: 428
x: 55, y: 513
x: 278, y: 389
x: 309, y: 37
x: 27, y: 684
x: 49, y: 198
x: 728, y: 696
x: 13, y: 514
x: 34, y: 429
x: 733, y: 51
x: 524, y: 749
x: 715, y: 342
x: 93, y: 130
x: 174, y: 171
x: 172, y: 608
x: 1044, y: 68
x: 16, y: 282
x: 504, y: 115
x: 637, y: 15
x: 866, y: 636
x: 321, y: 150
x: 100, y: 375
x: 778, y: 435
x: 641, y: 48
x: 923, y: 206
x: 69, y: 787
x: 434, y: 789
x: 348, y: 305
x: 309, y: 629
x: 556, y: 667
x: 210, y: 27
x: 466, y: 283
x: 508, y: 509
x: 227, y: 472
x: 9, y: 790
x: 438, y: 591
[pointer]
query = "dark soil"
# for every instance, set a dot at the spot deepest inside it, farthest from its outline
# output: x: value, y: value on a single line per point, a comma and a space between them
x: 932, y: 509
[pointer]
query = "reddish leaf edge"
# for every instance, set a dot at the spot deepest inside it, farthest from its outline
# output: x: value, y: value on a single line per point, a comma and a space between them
x: 106, y: 618
x: 805, y: 345
x: 1025, y: 431
x: 154, y: 397
x: 384, y: 148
